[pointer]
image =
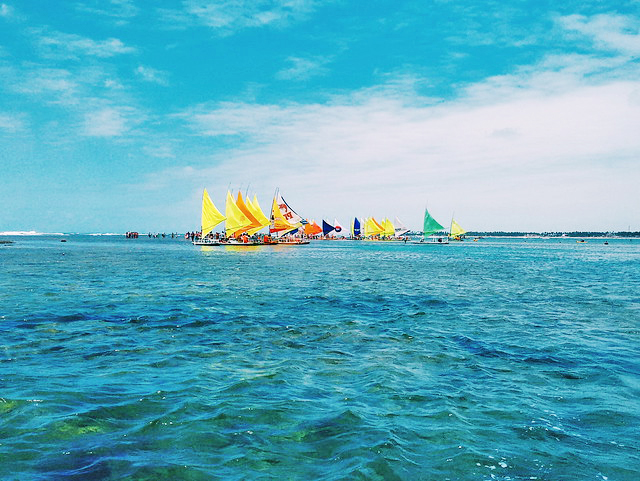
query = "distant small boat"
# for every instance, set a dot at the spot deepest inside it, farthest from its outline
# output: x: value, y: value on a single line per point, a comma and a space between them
x: 581, y: 241
x: 456, y: 232
x: 432, y: 240
x: 429, y: 227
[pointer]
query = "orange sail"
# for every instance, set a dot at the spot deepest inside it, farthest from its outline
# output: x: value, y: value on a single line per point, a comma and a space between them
x: 245, y: 210
x: 312, y: 228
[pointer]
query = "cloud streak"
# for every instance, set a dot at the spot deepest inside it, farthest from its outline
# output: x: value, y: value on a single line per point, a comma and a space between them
x: 303, y: 68
x: 151, y: 75
x: 608, y: 32
x: 71, y: 46
x: 229, y: 16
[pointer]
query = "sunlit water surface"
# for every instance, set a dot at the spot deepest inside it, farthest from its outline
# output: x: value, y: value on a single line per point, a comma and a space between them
x: 152, y: 359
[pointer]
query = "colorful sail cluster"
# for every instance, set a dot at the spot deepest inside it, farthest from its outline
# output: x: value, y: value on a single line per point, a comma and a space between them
x: 244, y: 216
x: 241, y: 216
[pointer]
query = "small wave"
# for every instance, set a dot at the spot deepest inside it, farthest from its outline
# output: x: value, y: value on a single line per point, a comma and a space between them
x: 29, y: 233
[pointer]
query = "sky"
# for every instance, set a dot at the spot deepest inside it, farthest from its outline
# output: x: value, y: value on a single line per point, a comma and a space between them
x: 515, y: 115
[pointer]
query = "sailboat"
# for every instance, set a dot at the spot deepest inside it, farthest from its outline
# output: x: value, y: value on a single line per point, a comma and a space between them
x: 239, y: 222
x: 401, y: 229
x: 284, y: 220
x: 337, y: 226
x: 372, y: 228
x: 355, y: 228
x: 456, y: 232
x: 211, y: 217
x: 312, y: 228
x: 326, y: 228
x: 389, y: 230
x: 431, y: 226
x: 255, y: 208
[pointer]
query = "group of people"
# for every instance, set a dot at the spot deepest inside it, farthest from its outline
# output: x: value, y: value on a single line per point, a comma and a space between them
x: 243, y: 238
x: 135, y: 235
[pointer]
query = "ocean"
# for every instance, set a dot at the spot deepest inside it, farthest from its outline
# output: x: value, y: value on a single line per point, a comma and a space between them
x: 153, y: 359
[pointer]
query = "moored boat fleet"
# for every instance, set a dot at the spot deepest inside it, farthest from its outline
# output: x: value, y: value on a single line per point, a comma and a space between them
x: 246, y: 225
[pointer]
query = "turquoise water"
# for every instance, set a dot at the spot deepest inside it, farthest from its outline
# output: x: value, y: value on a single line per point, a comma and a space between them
x: 152, y: 359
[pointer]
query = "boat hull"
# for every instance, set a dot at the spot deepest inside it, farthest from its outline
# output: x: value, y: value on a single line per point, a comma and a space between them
x: 205, y: 243
x: 291, y: 243
x: 432, y: 241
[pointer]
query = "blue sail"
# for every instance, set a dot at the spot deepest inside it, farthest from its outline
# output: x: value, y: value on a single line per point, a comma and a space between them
x: 326, y: 227
x: 355, y: 231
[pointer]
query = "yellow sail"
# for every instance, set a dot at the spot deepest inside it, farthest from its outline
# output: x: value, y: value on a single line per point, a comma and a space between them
x: 372, y: 227
x: 236, y: 220
x: 278, y: 222
x: 211, y: 216
x: 389, y: 229
x: 253, y: 222
x: 456, y: 231
x: 255, y: 209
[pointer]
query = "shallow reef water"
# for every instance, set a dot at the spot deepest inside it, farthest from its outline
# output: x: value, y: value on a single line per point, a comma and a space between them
x: 153, y: 359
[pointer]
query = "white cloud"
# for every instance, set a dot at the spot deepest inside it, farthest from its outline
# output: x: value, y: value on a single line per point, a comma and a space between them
x: 65, y: 45
x: 11, y: 122
x: 107, y: 122
x: 511, y: 153
x: 303, y: 68
x: 610, y: 32
x: 121, y: 10
x: 151, y: 75
x: 161, y: 151
x: 229, y: 15
x: 6, y: 10
x: 55, y: 83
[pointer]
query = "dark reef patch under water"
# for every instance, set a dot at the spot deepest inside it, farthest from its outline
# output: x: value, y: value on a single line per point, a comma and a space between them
x: 153, y: 359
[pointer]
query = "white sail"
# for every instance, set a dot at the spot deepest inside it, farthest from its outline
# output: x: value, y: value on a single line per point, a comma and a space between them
x: 400, y: 228
x: 337, y: 226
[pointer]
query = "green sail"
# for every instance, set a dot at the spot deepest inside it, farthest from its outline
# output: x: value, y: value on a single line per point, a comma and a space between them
x: 430, y: 224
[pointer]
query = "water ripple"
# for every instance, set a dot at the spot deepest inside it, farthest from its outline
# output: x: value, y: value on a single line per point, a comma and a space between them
x: 501, y: 360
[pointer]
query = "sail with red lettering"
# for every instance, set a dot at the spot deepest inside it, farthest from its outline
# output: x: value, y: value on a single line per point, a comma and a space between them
x: 283, y: 218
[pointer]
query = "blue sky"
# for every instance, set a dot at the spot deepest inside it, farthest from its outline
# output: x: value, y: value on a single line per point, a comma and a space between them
x: 517, y: 115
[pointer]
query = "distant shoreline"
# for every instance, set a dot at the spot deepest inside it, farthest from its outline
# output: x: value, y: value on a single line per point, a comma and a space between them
x: 525, y: 235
